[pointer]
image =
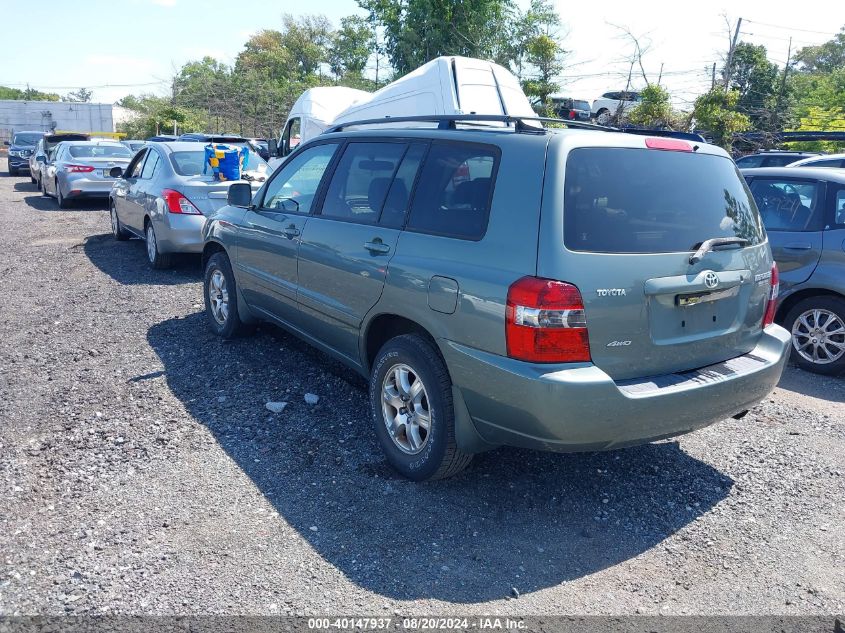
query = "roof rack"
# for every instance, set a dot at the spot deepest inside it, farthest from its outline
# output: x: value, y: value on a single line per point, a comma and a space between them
x: 449, y: 121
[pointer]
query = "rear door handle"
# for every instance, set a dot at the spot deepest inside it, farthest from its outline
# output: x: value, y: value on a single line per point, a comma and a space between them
x: 798, y: 246
x: 377, y: 247
x: 291, y: 231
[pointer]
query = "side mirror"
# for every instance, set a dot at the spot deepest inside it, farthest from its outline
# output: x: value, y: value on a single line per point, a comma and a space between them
x: 116, y: 172
x: 7, y: 143
x: 273, y: 147
x: 239, y: 195
x: 41, y: 158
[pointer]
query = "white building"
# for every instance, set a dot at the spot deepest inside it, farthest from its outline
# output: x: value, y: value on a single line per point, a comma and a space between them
x: 55, y: 115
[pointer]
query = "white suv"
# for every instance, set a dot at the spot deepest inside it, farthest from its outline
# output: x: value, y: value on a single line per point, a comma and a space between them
x: 606, y: 106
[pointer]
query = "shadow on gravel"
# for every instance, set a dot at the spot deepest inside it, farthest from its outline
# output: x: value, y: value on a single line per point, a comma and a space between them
x: 45, y: 203
x: 126, y: 262
x: 515, y: 519
x: 829, y: 388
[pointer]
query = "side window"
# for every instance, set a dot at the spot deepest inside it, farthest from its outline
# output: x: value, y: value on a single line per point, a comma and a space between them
x: 133, y: 170
x: 150, y: 166
x: 396, y: 204
x: 778, y: 161
x: 359, y: 185
x: 825, y: 163
x: 839, y: 208
x: 295, y: 184
x: 788, y: 205
x: 755, y: 160
x: 453, y: 194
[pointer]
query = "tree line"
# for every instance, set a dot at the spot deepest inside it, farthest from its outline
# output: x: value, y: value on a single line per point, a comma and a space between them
x: 253, y: 95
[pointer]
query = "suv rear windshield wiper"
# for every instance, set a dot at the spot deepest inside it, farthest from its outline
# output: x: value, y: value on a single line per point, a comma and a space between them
x: 709, y: 245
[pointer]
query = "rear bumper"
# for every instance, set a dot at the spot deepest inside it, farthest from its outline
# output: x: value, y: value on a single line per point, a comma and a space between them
x: 85, y: 188
x: 180, y: 233
x: 569, y: 409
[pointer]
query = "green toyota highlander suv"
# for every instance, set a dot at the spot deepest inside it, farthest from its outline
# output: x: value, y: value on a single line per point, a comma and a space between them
x: 560, y: 289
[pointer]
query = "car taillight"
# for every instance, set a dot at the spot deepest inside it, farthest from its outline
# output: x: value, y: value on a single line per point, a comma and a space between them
x: 572, y: 114
x: 79, y: 169
x: 545, y: 322
x: 177, y: 203
x: 774, y: 291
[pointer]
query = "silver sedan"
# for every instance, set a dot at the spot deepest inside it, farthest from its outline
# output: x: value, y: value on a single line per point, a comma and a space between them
x: 82, y: 169
x: 164, y: 195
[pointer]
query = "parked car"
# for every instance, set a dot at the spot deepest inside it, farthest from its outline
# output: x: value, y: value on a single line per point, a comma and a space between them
x: 772, y: 158
x: 610, y: 103
x: 163, y: 194
x: 558, y: 289
x: 46, y: 148
x: 163, y: 138
x: 803, y: 210
x: 133, y: 145
x: 21, y: 148
x: 572, y: 109
x: 824, y: 160
x: 81, y: 169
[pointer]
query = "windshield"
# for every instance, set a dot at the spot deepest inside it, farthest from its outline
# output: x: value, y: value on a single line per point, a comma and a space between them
x: 27, y: 138
x: 99, y: 151
x: 191, y: 164
x: 620, y: 200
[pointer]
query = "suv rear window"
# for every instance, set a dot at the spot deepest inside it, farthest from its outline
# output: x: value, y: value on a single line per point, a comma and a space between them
x: 620, y: 200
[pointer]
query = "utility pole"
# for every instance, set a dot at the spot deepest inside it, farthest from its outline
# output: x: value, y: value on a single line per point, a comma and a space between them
x: 713, y: 78
x: 660, y: 75
x: 783, y: 83
x: 729, y: 62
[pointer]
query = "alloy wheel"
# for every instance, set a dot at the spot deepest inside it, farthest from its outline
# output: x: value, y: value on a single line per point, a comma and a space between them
x: 152, y: 247
x: 405, y: 408
x: 818, y: 335
x: 115, y: 229
x: 218, y: 297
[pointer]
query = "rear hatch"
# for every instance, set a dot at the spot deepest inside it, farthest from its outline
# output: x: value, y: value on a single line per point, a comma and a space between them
x: 623, y: 227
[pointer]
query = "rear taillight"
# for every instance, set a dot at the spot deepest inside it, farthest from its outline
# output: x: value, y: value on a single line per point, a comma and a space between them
x: 572, y: 114
x: 177, y: 203
x: 771, y: 304
x: 79, y: 169
x: 545, y: 322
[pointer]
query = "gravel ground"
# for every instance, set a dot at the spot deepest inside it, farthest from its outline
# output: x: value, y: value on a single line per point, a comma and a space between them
x: 142, y: 473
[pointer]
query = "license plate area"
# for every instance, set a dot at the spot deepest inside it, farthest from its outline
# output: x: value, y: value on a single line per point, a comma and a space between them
x: 106, y: 173
x: 696, y: 298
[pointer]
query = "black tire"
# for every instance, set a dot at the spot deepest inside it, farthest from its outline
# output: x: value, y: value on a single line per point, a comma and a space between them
x: 64, y: 203
x: 43, y: 188
x: 13, y: 172
x: 231, y: 326
x: 32, y: 178
x: 155, y: 258
x: 832, y: 307
x: 439, y: 455
x: 117, y: 230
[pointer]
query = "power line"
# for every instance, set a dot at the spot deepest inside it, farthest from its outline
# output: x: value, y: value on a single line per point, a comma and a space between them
x: 791, y: 28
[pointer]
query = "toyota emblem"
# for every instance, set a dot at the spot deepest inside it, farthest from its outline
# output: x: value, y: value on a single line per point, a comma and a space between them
x: 711, y: 279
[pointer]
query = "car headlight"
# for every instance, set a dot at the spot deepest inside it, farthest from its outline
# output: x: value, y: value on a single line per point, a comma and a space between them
x: 14, y: 152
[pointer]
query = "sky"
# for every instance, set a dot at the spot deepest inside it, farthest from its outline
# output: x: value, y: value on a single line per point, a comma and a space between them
x: 135, y: 46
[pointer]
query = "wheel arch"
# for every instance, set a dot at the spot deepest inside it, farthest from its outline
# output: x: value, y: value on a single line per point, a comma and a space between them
x: 210, y: 248
x: 385, y: 326
x: 793, y: 299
